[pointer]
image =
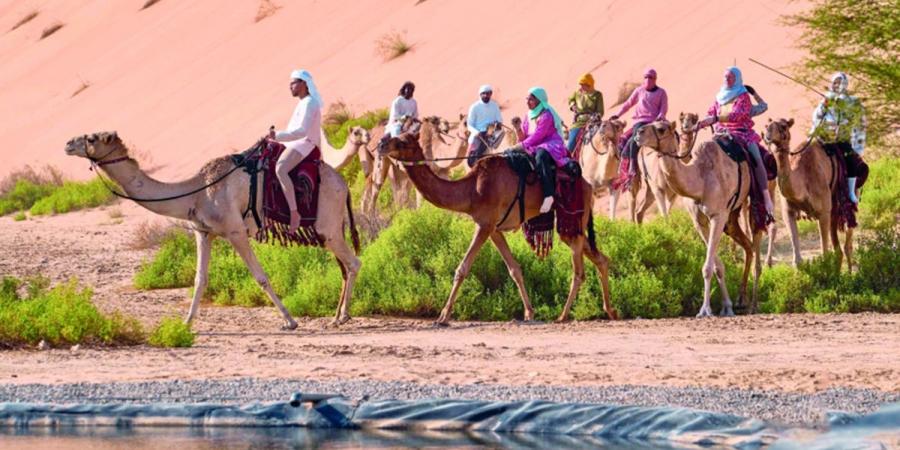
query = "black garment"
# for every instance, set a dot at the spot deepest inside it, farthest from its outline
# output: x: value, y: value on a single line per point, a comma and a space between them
x: 856, y: 167
x: 546, y: 170
x: 630, y: 148
x: 477, y: 149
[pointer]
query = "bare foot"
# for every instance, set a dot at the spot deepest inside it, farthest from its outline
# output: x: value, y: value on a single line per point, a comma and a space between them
x: 295, y: 221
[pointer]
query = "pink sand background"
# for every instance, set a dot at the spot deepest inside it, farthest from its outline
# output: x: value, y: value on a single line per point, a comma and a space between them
x: 188, y: 80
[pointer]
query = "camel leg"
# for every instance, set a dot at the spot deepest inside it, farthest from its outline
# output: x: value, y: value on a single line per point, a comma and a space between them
x: 601, y: 262
x: 848, y: 248
x: 734, y: 230
x: 703, y: 230
x: 647, y: 200
x: 825, y: 231
x: 837, y: 246
x: 242, y: 245
x: 202, y: 278
x: 790, y: 219
x: 709, y: 268
x: 481, y: 235
x: 350, y: 265
x: 577, y: 246
x: 613, y: 199
x: 515, y: 272
x: 772, y: 231
x: 660, y: 197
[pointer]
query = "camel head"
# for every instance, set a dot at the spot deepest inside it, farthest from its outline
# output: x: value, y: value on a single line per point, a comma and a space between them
x: 440, y: 125
x: 612, y: 129
x: 359, y: 136
x: 657, y: 135
x: 102, y: 146
x: 404, y: 147
x: 778, y: 132
x: 687, y: 121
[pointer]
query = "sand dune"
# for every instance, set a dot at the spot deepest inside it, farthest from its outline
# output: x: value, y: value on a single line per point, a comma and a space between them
x: 185, y: 81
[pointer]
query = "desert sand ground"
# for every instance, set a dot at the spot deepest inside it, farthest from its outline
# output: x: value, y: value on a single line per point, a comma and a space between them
x: 792, y: 353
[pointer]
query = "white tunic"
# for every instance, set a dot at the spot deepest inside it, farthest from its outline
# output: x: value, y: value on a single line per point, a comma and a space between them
x: 399, y: 108
x: 481, y: 115
x: 304, y: 130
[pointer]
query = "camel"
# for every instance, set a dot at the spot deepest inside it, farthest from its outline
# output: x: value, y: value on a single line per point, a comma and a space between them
x: 600, y: 160
x: 484, y: 194
x: 357, y: 140
x: 804, y: 177
x: 711, y: 181
x: 437, y: 142
x: 216, y: 209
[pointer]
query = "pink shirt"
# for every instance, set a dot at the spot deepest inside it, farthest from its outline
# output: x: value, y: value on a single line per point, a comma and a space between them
x: 651, y: 106
x: 738, y: 123
x: 544, y: 136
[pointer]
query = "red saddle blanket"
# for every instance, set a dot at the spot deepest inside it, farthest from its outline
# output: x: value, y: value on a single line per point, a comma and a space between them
x: 568, y: 209
x: 276, y: 214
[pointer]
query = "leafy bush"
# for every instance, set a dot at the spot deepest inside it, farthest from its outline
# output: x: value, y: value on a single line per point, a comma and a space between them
x: 782, y: 289
x: 24, y: 194
x: 73, y: 195
x: 20, y: 216
x: 171, y: 332
x: 880, y: 203
x: 64, y: 314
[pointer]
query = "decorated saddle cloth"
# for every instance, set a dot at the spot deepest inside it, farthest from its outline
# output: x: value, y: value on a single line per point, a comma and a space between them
x: 843, y: 211
x: 276, y: 216
x: 737, y: 151
x: 568, y: 202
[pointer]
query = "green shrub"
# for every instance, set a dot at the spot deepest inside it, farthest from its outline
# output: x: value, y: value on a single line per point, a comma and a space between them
x: 24, y: 194
x: 73, y: 195
x: 336, y: 133
x: 782, y: 289
x: 171, y: 332
x: 172, y: 266
x: 20, y: 216
x: 64, y: 314
x: 879, y: 206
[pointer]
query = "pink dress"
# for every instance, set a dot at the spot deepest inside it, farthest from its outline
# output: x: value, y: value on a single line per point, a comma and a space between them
x: 739, y: 125
x: 546, y: 137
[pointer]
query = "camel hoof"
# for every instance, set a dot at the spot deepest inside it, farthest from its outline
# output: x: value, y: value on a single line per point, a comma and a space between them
x: 290, y: 326
x: 529, y: 316
x: 562, y: 319
x: 613, y: 315
x: 440, y: 324
x: 727, y: 312
x: 704, y: 313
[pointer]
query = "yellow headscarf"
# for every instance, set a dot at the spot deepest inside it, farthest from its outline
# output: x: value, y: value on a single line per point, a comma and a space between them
x: 587, y: 79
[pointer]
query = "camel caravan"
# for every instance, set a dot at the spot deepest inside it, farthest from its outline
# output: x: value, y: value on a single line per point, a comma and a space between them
x: 541, y: 182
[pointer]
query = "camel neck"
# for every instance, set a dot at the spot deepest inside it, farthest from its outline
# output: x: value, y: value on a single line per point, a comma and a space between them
x: 446, y: 194
x: 783, y: 161
x: 685, y: 179
x: 138, y: 184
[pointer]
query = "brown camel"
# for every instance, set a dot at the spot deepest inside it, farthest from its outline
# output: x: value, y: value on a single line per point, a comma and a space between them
x: 437, y: 142
x: 600, y: 160
x: 804, y: 177
x: 711, y: 181
x: 217, y: 211
x: 357, y: 139
x: 484, y: 195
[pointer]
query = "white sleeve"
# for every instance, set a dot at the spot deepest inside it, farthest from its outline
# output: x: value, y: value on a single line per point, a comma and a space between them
x: 471, y: 119
x: 818, y: 115
x: 300, y: 132
x: 415, y: 109
x: 497, y: 116
x: 395, y: 113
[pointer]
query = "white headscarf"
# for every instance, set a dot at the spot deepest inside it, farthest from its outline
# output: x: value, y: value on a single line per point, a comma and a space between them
x: 842, y: 87
x: 485, y: 88
x: 304, y: 75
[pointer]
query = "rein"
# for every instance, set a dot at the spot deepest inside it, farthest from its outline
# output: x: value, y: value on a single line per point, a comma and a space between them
x: 107, y: 184
x: 670, y: 155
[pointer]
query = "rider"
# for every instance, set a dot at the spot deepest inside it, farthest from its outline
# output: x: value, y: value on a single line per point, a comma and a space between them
x: 541, y: 136
x: 584, y: 102
x: 302, y: 136
x: 652, y: 105
x: 840, y: 122
x: 731, y: 112
x: 482, y: 114
x: 402, y: 107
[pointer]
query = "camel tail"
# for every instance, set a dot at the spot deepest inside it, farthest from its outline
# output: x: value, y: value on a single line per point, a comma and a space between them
x: 591, y: 235
x: 354, y: 235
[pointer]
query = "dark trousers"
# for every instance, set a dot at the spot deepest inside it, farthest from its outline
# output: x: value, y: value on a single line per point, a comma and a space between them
x: 856, y: 167
x: 628, y: 147
x: 477, y: 149
x: 546, y: 170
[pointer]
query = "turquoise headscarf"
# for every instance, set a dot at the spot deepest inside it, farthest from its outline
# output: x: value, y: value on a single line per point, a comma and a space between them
x: 540, y: 94
x: 727, y: 94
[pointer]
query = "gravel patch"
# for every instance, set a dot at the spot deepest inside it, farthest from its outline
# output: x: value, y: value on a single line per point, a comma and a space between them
x: 788, y: 409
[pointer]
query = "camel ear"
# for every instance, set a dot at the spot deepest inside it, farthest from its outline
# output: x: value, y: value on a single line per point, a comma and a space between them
x: 462, y: 117
x: 681, y: 116
x: 790, y: 122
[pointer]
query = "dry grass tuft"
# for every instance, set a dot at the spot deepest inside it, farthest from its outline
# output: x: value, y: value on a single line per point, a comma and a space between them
x: 148, y: 4
x: 338, y: 113
x: 84, y: 85
x: 419, y: 2
x: 47, y: 175
x: 28, y: 18
x: 392, y: 45
x: 115, y: 213
x: 624, y: 91
x: 150, y: 234
x: 53, y: 28
x: 266, y: 9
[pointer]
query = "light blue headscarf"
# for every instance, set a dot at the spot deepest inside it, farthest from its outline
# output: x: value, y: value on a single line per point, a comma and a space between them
x: 540, y: 94
x: 727, y: 94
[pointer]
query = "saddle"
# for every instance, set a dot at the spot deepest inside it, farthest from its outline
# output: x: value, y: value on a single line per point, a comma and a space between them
x: 274, y: 222
x: 737, y: 151
x: 568, y: 202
